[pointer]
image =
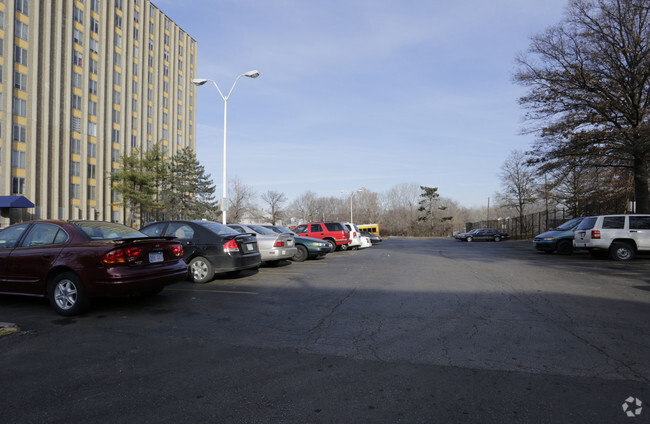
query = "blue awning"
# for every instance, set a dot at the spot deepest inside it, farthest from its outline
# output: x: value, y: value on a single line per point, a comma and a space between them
x: 15, y: 202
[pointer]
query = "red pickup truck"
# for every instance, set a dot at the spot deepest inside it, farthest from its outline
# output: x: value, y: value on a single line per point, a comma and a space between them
x: 335, y: 233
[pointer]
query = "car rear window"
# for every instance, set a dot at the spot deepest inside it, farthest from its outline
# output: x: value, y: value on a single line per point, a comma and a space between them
x: 217, y: 228
x: 100, y: 230
x: 587, y: 223
x: 261, y: 230
x: 334, y: 226
x: 614, y: 222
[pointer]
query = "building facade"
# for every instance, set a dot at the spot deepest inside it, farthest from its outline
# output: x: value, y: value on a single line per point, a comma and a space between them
x: 82, y: 82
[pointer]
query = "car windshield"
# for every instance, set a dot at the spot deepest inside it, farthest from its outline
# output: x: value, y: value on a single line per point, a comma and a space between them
x: 261, y: 230
x: 217, y: 228
x: 100, y: 230
x: 569, y: 225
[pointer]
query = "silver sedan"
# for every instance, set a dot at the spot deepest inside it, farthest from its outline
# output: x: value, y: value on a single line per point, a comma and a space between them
x: 273, y: 247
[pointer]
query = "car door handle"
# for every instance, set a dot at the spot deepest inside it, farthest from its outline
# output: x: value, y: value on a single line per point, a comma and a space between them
x: 633, y: 231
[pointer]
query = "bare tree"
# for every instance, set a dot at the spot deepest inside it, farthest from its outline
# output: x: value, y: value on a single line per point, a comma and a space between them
x: 274, y: 201
x: 589, y: 81
x: 241, y: 198
x: 518, y: 184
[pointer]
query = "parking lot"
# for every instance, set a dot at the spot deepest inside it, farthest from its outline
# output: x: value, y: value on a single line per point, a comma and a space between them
x: 411, y: 330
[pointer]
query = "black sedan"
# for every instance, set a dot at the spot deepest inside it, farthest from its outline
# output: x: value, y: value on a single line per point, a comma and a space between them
x: 308, y: 247
x: 209, y: 247
x: 482, y: 234
x: 374, y: 238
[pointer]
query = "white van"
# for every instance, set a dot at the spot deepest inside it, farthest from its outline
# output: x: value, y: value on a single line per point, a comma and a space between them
x: 620, y: 235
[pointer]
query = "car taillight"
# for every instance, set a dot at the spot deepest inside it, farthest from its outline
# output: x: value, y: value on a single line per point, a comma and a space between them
x: 177, y: 250
x: 231, y: 246
x: 278, y: 243
x: 122, y: 255
x: 595, y: 234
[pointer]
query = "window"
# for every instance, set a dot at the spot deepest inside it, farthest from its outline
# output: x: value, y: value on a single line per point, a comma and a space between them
x: 166, y: 56
x: 92, y: 87
x: 94, y: 25
x: 93, y: 66
x: 134, y: 86
x: 75, y: 146
x: 136, y: 16
x: 2, y: 20
x: 136, y: 51
x: 136, y: 33
x: 118, y: 4
x: 75, y: 191
x: 117, y: 78
x: 640, y: 222
x: 94, y: 5
x: 77, y: 58
x: 166, y: 38
x: 165, y: 70
x: 118, y: 21
x: 76, y: 102
x: 78, y: 15
x: 22, y: 6
x: 20, y: 107
x: 75, y: 168
x: 92, y: 171
x: 78, y: 36
x: 149, y: 111
x: 44, y: 235
x: 91, y: 192
x: 92, y: 107
x: 616, y: 222
x: 92, y: 150
x: 92, y: 131
x: 150, y: 44
x: 94, y: 45
x: 117, y: 58
x: 20, y: 81
x: 164, y: 118
x: 134, y: 141
x: 116, y: 116
x: 19, y: 133
x: 117, y: 41
x: 135, y: 69
x: 76, y: 80
x: 18, y: 159
x: 115, y: 136
x: 76, y: 124
x: 115, y: 155
x: 117, y: 97
x: 20, y: 55
x: 22, y: 30
x: 17, y: 185
x: 165, y: 134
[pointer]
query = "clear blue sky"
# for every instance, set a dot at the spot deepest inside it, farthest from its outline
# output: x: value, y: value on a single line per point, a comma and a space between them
x: 362, y: 93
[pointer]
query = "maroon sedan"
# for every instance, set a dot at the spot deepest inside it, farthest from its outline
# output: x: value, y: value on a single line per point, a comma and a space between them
x: 70, y: 262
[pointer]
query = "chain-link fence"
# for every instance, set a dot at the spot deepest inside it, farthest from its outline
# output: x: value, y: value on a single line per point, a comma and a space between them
x: 536, y: 223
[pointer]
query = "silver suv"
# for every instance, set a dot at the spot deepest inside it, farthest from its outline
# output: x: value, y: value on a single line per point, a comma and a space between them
x: 620, y: 235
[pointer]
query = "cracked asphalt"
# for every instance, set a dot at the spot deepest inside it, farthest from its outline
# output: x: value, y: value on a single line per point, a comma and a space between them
x: 412, y: 330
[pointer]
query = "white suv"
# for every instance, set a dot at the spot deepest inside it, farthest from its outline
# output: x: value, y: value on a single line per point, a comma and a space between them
x: 620, y: 235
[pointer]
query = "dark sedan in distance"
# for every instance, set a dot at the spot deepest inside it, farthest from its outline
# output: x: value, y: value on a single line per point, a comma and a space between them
x: 308, y: 247
x: 69, y: 262
x: 482, y: 234
x: 209, y: 247
x: 374, y: 238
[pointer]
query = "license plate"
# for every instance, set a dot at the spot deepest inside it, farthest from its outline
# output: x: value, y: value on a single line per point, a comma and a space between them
x: 250, y: 247
x: 155, y: 257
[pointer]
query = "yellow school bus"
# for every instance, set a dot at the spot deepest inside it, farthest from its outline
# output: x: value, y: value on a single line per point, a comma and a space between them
x: 371, y: 228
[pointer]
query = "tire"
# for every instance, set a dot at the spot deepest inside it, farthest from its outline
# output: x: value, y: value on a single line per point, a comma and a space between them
x: 332, y: 244
x: 201, y: 270
x: 565, y: 247
x: 67, y: 294
x: 469, y: 239
x: 344, y: 247
x: 622, y: 251
x: 497, y: 238
x: 301, y: 254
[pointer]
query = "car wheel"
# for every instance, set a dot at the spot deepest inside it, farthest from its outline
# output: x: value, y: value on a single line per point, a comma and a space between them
x: 332, y: 244
x: 67, y: 295
x: 621, y: 251
x: 565, y: 247
x: 497, y: 238
x: 201, y: 270
x: 344, y: 247
x: 301, y: 254
x: 469, y: 239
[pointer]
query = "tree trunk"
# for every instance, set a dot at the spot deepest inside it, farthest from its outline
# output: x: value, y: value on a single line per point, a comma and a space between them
x: 641, y: 185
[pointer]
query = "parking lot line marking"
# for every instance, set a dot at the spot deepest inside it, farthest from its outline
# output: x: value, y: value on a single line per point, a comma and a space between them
x: 214, y: 291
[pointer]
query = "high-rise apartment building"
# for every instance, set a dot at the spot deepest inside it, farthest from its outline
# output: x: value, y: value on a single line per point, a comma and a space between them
x: 81, y: 83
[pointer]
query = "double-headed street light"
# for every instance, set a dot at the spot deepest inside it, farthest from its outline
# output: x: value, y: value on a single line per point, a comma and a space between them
x: 201, y: 81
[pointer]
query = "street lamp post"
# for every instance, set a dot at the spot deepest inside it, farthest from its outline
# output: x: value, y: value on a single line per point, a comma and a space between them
x: 200, y: 81
x: 351, y: 196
